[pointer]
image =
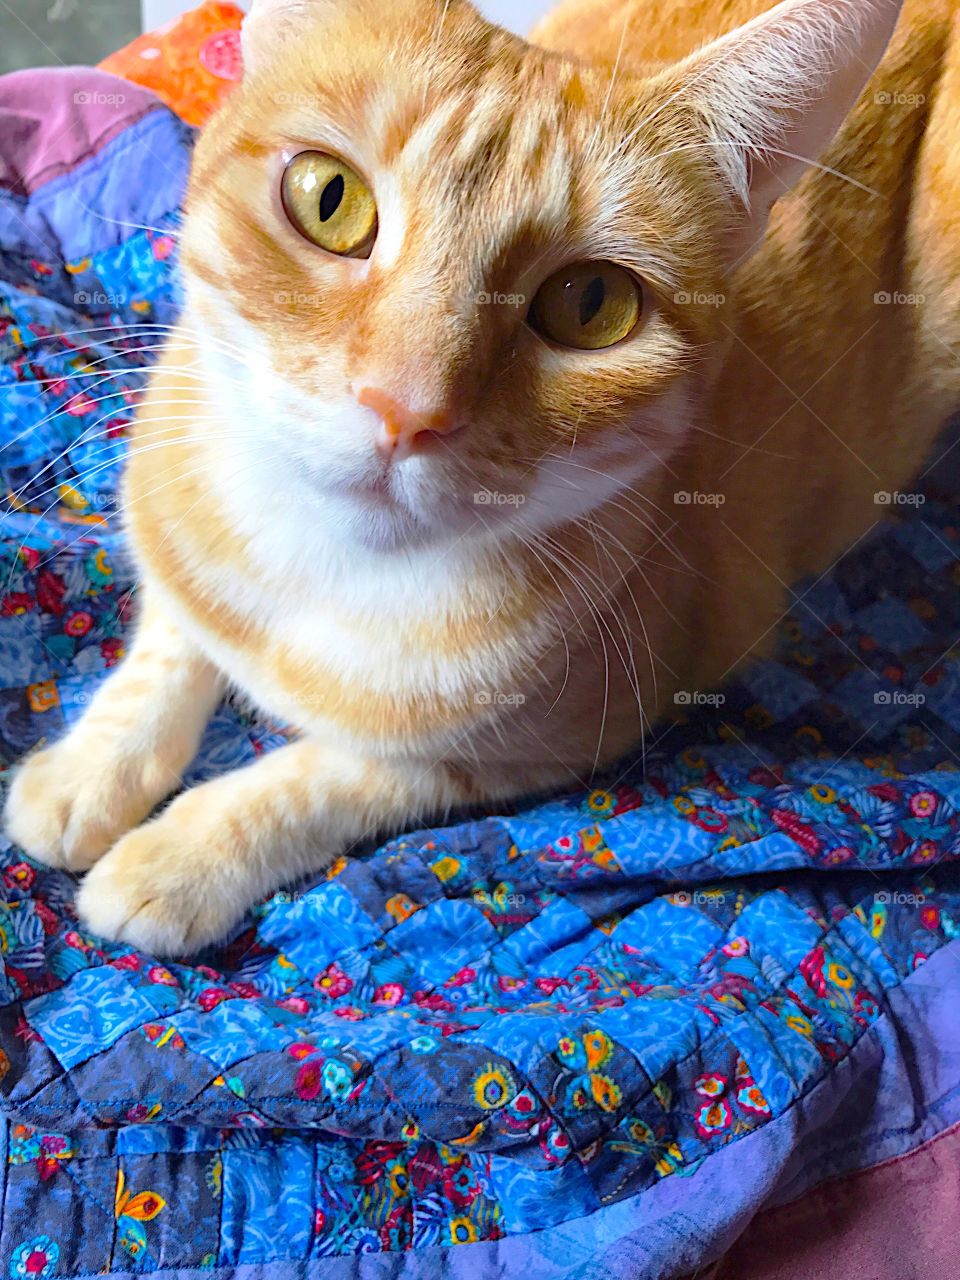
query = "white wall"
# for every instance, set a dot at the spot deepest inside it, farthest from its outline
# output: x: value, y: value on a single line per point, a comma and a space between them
x: 517, y: 15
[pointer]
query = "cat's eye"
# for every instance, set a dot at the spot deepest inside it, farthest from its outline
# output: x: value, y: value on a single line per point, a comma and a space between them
x: 330, y: 204
x: 589, y: 305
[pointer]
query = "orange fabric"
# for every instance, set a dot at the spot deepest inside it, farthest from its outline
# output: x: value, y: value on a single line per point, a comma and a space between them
x: 192, y: 64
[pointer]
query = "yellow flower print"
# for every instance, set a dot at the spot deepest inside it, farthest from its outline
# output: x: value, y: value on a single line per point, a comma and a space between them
x: 839, y: 976
x: 592, y: 839
x: 143, y: 1207
x: 445, y: 868
x: 670, y: 1161
x: 398, y: 1180
x: 493, y: 1087
x: 605, y: 858
x: 43, y: 696
x: 606, y: 1094
x: 462, y: 1231
x: 102, y: 564
x: 822, y: 793
x: 803, y: 1025
x: 600, y: 801
x: 401, y: 907
x: 641, y: 1132
x: 598, y: 1046
x: 72, y: 497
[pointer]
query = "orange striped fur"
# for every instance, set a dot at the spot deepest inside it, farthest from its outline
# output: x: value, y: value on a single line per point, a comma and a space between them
x: 518, y: 601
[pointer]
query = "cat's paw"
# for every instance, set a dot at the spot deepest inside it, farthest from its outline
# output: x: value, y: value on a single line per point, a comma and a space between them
x: 71, y: 802
x: 165, y: 888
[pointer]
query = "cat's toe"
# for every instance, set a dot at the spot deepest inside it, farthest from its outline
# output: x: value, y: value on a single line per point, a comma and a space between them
x: 154, y: 890
x: 56, y: 814
x: 34, y: 817
x: 70, y: 803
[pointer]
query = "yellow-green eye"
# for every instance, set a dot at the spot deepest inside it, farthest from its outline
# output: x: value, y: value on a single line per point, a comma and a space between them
x: 588, y: 305
x: 329, y: 203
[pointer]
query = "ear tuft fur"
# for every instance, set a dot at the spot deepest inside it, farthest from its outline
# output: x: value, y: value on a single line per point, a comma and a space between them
x: 774, y: 92
x: 268, y: 24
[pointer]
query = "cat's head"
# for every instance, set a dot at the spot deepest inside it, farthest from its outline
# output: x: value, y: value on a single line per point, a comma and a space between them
x: 452, y: 283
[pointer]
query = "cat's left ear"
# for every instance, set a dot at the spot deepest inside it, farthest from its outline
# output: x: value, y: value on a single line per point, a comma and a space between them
x: 269, y: 24
x: 773, y: 93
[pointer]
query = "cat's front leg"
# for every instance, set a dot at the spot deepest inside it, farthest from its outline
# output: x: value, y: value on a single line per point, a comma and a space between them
x: 186, y: 877
x: 71, y: 801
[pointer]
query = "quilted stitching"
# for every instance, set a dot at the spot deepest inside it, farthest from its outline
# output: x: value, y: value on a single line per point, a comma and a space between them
x: 473, y: 1032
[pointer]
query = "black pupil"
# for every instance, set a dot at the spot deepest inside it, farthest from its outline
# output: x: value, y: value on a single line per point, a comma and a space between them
x: 330, y: 197
x: 591, y: 300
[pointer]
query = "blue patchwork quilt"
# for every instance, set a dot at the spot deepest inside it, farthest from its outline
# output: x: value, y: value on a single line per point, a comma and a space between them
x: 594, y: 1037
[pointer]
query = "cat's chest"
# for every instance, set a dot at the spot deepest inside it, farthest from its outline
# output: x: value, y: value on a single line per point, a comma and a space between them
x: 380, y: 673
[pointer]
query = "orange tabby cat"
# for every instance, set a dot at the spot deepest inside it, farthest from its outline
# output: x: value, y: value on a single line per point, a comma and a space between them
x: 500, y: 411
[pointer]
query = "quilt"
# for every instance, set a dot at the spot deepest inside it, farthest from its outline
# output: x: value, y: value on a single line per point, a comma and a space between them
x: 597, y: 1035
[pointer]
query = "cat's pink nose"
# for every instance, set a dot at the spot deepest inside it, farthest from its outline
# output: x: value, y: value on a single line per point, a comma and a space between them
x: 401, y: 429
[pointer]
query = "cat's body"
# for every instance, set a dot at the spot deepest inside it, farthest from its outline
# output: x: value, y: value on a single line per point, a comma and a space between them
x: 431, y: 655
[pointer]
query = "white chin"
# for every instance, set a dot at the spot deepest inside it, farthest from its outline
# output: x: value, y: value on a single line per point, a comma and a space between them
x: 376, y: 526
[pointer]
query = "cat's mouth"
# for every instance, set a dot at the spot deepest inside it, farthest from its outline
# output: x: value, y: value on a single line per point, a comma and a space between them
x: 388, y: 510
x: 377, y: 492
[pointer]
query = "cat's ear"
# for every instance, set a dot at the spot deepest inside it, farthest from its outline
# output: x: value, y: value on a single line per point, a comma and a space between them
x: 773, y: 93
x: 270, y: 23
